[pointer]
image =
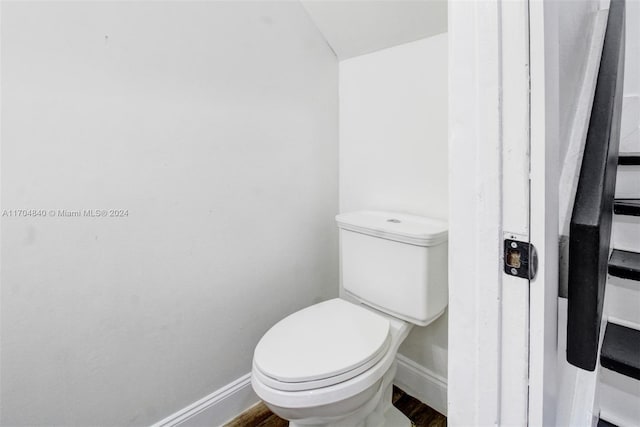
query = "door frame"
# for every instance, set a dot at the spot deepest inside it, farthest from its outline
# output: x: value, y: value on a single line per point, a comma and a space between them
x: 544, y: 177
x: 503, y: 142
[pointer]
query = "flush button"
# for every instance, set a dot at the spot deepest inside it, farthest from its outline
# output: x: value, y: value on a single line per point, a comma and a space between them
x: 393, y: 220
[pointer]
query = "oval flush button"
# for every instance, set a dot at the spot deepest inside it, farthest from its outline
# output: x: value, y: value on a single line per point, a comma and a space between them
x: 393, y: 220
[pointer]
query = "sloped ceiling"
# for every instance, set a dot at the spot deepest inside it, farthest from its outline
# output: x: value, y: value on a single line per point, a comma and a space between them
x: 356, y: 27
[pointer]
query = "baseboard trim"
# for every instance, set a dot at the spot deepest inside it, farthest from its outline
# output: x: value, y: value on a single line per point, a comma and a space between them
x: 231, y: 400
x: 217, y: 408
x: 422, y: 383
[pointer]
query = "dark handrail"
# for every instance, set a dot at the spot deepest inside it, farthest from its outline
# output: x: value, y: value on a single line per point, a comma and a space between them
x: 590, y: 229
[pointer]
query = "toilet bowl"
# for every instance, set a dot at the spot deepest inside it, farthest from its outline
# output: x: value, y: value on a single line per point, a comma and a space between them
x: 333, y: 363
x: 341, y: 369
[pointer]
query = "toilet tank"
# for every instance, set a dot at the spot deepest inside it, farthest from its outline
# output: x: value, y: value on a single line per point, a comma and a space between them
x: 395, y: 263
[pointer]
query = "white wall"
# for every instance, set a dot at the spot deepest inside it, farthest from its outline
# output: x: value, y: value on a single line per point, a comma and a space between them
x: 576, y: 23
x: 632, y: 47
x: 393, y: 149
x: 393, y: 130
x: 215, y: 125
x: 355, y: 28
x: 630, y: 132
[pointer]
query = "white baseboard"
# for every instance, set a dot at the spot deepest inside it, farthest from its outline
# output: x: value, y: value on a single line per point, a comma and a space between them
x: 217, y: 408
x: 231, y: 400
x: 422, y: 383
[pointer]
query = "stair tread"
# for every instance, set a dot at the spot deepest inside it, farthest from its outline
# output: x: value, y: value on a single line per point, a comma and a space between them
x: 629, y: 159
x: 625, y: 264
x: 604, y: 423
x: 621, y: 350
x: 627, y: 207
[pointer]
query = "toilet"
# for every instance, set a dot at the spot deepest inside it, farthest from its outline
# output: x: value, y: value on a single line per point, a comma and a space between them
x: 333, y: 363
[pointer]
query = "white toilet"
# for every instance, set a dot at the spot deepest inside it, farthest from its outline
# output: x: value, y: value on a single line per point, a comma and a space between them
x: 333, y: 364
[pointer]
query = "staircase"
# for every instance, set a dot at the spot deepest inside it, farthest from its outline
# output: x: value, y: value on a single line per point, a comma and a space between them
x: 603, y: 326
x: 619, y: 378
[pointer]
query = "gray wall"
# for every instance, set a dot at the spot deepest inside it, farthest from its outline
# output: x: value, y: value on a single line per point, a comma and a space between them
x: 215, y: 125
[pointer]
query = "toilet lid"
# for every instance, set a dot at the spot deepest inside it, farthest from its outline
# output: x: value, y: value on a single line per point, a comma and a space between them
x: 322, y: 341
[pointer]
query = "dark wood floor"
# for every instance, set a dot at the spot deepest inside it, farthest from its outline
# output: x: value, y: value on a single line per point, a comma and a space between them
x: 420, y: 414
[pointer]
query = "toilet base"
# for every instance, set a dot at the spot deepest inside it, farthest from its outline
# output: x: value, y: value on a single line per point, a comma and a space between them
x: 378, y: 412
x: 395, y: 418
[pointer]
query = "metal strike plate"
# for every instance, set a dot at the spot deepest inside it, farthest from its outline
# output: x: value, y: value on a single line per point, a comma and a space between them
x: 520, y: 259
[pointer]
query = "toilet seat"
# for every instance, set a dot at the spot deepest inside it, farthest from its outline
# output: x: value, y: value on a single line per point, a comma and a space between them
x: 338, y: 394
x: 325, y: 344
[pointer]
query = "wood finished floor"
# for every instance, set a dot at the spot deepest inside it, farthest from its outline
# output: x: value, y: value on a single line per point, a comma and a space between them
x: 420, y: 414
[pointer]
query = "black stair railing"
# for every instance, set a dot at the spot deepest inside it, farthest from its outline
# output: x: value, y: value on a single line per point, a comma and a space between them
x: 590, y: 229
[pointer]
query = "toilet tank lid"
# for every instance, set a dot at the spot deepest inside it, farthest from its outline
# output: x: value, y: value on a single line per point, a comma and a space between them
x: 405, y: 228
